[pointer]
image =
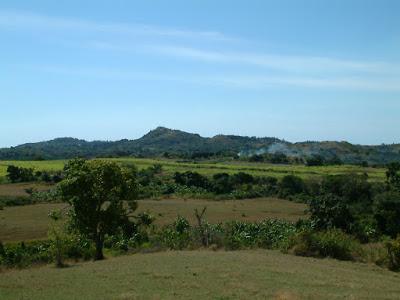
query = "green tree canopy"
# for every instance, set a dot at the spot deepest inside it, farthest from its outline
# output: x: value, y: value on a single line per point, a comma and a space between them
x: 96, y: 191
x: 393, y: 175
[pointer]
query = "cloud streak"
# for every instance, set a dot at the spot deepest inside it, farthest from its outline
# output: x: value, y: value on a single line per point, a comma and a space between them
x: 348, y: 83
x: 227, y: 81
x: 280, y: 62
x: 35, y: 22
x: 251, y: 70
x: 286, y: 63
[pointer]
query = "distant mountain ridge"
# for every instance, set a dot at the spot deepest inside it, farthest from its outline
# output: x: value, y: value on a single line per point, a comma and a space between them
x: 176, y: 142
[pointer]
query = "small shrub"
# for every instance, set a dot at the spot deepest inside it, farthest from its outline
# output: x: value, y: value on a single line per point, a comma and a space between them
x: 375, y: 253
x: 176, y: 236
x: 181, y: 225
x: 393, y: 249
x: 240, y: 235
x: 24, y: 254
x: 291, y: 185
x: 365, y: 228
x: 331, y: 243
x: 19, y: 174
x: 214, y: 234
x: 387, y: 212
x: 58, y: 244
x: 15, y: 200
x: 330, y: 211
x: 269, y: 233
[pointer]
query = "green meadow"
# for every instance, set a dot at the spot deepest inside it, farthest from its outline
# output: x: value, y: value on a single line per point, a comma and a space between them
x: 210, y: 168
x: 203, y: 274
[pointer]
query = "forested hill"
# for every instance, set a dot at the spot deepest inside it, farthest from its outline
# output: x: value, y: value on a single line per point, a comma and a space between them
x: 167, y: 142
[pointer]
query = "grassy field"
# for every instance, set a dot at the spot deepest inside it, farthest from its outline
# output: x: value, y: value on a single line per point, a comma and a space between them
x: 50, y: 165
x: 254, y: 274
x: 31, y: 221
x: 19, y: 189
x: 207, y: 168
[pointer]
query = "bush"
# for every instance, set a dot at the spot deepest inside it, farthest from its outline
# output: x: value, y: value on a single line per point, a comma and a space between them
x: 330, y: 211
x: 393, y: 175
x: 15, y: 200
x: 332, y: 243
x: 315, y: 160
x: 51, y: 195
x: 353, y: 188
x: 275, y: 234
x: 19, y: 174
x: 240, y: 235
x: 78, y: 247
x: 65, y: 244
x: 242, y: 178
x: 24, y: 254
x: 291, y: 185
x: 387, y: 212
x: 222, y: 183
x: 270, y: 234
x: 191, y: 179
x: 365, y: 228
x: 393, y: 248
x: 176, y: 236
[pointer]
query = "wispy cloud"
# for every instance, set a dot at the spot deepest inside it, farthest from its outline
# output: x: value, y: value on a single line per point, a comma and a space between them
x: 226, y: 80
x: 31, y: 21
x: 287, y: 63
x: 348, y: 83
x: 247, y: 69
x: 281, y: 62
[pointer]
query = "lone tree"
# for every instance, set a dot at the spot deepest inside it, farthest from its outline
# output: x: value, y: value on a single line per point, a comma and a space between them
x: 96, y: 191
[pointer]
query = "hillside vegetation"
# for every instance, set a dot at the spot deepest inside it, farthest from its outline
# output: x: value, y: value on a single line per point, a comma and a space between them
x: 175, y: 143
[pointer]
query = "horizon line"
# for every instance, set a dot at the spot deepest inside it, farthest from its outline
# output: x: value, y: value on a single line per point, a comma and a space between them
x: 202, y: 136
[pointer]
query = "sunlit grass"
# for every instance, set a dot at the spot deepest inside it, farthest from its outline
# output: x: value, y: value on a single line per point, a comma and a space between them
x: 31, y: 222
x: 207, y: 168
x: 204, y: 274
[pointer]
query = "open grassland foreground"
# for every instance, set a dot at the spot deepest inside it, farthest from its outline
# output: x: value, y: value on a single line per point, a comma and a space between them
x: 204, y: 274
x: 210, y: 168
x: 29, y: 222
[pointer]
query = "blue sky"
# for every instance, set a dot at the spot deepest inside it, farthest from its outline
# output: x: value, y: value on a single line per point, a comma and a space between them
x: 298, y: 70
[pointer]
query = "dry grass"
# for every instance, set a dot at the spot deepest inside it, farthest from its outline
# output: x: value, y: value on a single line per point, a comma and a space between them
x: 23, y: 223
x: 31, y: 222
x: 254, y: 274
x: 19, y: 189
x: 167, y: 210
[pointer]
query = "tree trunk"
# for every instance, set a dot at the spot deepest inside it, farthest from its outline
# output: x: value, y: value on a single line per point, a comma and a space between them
x: 99, y: 249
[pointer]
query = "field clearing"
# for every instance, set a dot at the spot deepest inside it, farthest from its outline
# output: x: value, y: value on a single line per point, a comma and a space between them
x: 204, y: 274
x: 24, y: 223
x: 19, y: 189
x: 31, y: 222
x: 209, y: 168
